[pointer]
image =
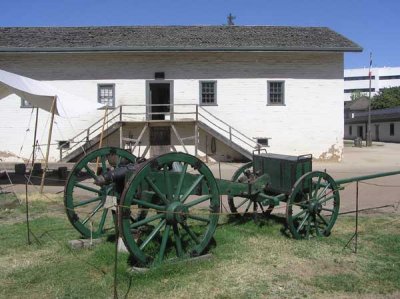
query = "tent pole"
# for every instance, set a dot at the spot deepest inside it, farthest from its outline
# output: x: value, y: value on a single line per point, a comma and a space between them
x: 101, y: 136
x: 34, y: 137
x: 102, y: 128
x: 46, y: 162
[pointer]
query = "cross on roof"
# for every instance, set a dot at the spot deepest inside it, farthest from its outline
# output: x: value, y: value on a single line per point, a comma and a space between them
x: 230, y: 19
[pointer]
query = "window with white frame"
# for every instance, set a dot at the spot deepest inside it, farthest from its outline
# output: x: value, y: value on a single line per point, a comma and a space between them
x: 106, y: 94
x: 276, y: 92
x: 25, y: 104
x: 208, y: 92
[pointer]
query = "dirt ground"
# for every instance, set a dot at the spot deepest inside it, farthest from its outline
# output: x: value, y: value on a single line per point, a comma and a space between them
x: 356, y: 162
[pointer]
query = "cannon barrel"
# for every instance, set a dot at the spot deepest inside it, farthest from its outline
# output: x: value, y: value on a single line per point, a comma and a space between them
x: 111, y: 176
x: 116, y: 175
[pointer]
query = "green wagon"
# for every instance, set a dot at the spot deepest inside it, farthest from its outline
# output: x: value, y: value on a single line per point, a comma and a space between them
x: 169, y: 206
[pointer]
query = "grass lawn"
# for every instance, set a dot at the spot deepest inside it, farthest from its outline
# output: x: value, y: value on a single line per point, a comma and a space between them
x: 249, y: 261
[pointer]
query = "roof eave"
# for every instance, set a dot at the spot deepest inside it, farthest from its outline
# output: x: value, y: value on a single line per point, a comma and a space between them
x: 170, y: 49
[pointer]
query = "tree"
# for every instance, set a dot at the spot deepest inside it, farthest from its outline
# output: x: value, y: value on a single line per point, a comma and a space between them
x: 386, y: 98
x: 355, y: 95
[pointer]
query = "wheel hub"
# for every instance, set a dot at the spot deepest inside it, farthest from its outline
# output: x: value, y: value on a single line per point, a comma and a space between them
x: 176, y: 213
x: 315, y: 207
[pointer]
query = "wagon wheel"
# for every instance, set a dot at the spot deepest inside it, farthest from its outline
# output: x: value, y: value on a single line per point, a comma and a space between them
x: 240, y: 206
x: 182, y: 202
x: 313, y: 205
x: 88, y: 211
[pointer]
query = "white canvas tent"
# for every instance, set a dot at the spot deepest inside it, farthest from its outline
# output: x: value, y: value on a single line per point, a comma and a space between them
x: 46, y: 97
x: 41, y: 94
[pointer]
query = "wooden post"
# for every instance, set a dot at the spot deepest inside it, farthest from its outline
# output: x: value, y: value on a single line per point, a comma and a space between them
x: 196, y: 139
x: 87, y: 135
x: 46, y: 162
x: 101, y: 136
x: 121, y: 135
x: 102, y: 128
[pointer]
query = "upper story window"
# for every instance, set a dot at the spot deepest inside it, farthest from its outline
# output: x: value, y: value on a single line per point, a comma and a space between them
x: 358, y: 78
x: 392, y: 77
x: 358, y: 90
x: 276, y: 92
x: 25, y: 104
x: 106, y: 94
x: 208, y: 92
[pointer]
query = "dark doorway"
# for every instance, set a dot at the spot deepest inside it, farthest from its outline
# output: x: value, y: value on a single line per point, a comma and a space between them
x: 160, y: 136
x: 376, y: 132
x: 159, y: 100
x: 360, y: 132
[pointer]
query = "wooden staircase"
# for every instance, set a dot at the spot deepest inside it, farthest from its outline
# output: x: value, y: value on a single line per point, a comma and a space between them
x: 116, y: 119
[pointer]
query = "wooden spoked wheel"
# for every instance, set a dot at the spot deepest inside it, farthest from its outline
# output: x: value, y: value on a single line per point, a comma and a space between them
x: 182, y: 201
x: 240, y: 206
x: 313, y: 206
x: 83, y: 200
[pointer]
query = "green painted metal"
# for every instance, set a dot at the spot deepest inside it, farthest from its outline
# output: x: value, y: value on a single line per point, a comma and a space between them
x: 283, y: 170
x: 87, y: 214
x: 270, y: 200
x: 313, y: 211
x: 182, y: 215
x: 366, y: 177
x: 170, y: 204
x: 159, y: 181
x: 240, y: 203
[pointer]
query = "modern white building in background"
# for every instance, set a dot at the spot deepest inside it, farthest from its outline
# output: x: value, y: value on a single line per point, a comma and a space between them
x: 385, y: 123
x: 358, y: 80
x: 281, y: 83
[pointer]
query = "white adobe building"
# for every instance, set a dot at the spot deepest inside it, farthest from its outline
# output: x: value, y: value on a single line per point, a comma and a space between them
x: 222, y: 87
x: 358, y: 80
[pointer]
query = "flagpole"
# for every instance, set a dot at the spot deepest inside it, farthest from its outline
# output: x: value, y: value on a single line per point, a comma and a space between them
x: 46, y: 162
x: 369, y: 137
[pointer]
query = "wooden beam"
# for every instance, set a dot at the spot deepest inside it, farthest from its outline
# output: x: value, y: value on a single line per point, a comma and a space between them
x: 145, y: 151
x: 101, y: 136
x: 196, y: 138
x: 188, y: 138
x: 121, y: 137
x: 179, y: 138
x: 140, y: 137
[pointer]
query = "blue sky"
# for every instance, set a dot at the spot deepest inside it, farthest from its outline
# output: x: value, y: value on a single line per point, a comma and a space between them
x: 372, y: 24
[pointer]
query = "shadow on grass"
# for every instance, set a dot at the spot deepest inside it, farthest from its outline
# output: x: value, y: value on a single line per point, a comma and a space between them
x: 259, y: 220
x: 152, y: 249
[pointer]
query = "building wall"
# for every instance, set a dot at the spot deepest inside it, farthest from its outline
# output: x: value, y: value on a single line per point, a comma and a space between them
x: 383, y: 77
x: 311, y: 121
x: 383, y: 128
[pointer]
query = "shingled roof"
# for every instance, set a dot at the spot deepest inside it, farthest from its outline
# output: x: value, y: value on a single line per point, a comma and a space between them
x: 388, y: 114
x: 173, y: 38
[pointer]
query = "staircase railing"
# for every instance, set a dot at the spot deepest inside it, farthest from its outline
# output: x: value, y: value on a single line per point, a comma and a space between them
x: 233, y: 135
x: 177, y: 112
x: 85, y: 136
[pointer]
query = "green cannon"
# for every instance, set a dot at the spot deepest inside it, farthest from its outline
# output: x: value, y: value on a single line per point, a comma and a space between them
x: 169, y: 206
